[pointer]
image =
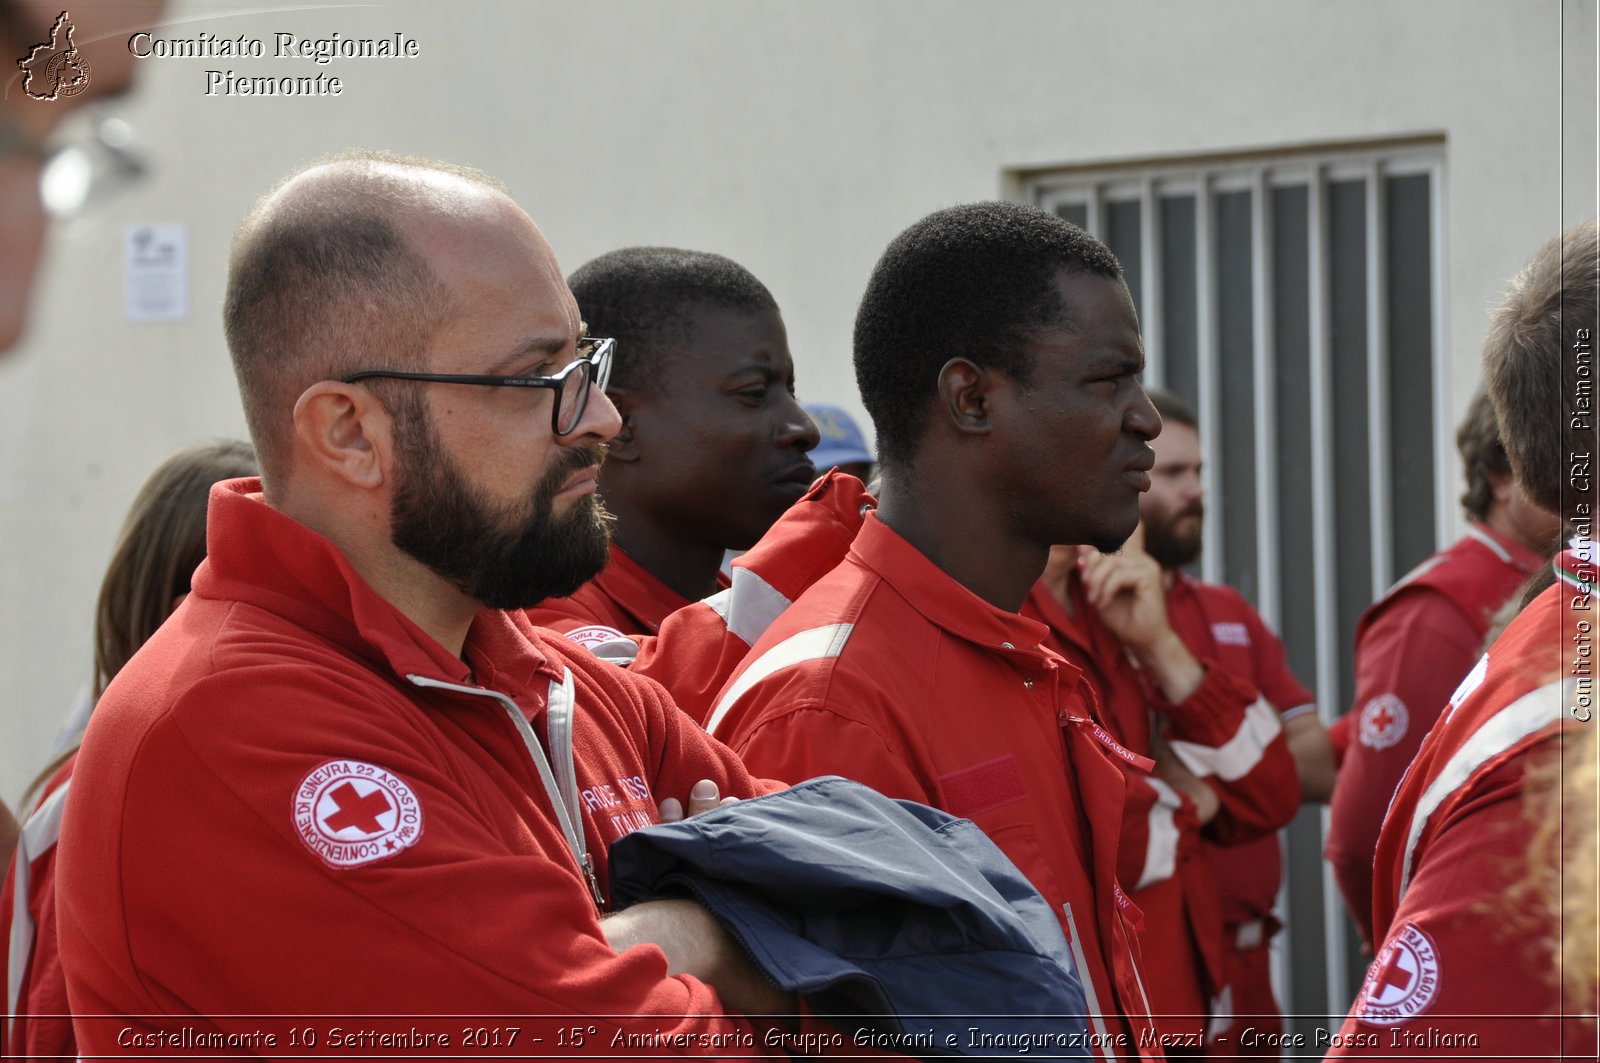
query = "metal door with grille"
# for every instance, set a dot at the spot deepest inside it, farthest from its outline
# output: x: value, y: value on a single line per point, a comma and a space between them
x: 1296, y: 299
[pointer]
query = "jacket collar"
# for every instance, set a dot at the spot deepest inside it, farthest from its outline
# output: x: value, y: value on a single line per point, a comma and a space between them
x: 262, y: 557
x: 1081, y: 636
x: 1506, y: 549
x: 629, y: 584
x: 937, y: 596
x: 1575, y: 566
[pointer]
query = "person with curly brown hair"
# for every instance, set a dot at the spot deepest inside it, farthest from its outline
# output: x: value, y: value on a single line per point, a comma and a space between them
x: 163, y: 540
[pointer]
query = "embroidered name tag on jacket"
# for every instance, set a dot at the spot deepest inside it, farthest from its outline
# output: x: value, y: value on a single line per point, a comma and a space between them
x: 1230, y: 634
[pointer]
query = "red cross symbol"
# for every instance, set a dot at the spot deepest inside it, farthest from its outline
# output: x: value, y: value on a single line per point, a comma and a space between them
x: 1383, y: 718
x: 1392, y: 976
x: 356, y: 811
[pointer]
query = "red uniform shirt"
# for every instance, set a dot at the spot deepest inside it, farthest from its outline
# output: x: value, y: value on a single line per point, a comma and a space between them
x: 277, y: 810
x: 38, y: 1022
x: 890, y: 672
x: 1413, y: 646
x: 1464, y: 967
x: 623, y: 601
x: 1217, y: 624
x: 700, y: 645
x: 1223, y: 737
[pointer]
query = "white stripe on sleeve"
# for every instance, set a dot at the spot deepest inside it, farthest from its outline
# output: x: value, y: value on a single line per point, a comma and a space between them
x: 815, y: 644
x: 1239, y: 755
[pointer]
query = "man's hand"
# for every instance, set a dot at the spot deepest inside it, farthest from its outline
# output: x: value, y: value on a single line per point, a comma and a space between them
x: 1125, y: 588
x: 703, y: 797
x: 1186, y: 782
x: 697, y: 945
x: 1129, y: 593
x: 694, y: 942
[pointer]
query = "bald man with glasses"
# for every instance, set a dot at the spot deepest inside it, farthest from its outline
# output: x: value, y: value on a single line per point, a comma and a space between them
x: 349, y: 778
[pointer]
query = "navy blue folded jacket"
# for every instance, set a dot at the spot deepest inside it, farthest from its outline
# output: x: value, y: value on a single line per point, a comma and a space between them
x: 889, y: 917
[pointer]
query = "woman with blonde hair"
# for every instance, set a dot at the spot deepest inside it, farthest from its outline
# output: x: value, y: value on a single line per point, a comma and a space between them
x: 1563, y: 882
x: 1462, y: 964
x: 1580, y: 886
x: 162, y: 542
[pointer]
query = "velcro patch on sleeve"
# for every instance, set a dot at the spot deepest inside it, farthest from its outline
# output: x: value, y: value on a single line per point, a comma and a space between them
x: 981, y: 787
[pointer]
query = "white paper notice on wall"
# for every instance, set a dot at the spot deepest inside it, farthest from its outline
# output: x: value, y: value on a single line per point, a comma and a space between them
x: 155, y: 272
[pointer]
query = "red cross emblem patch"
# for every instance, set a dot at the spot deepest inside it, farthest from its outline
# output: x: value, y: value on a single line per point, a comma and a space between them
x: 1383, y: 722
x: 1402, y: 981
x: 351, y: 813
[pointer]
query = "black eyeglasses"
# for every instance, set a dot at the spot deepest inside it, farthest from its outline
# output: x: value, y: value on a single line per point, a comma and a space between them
x: 591, y: 367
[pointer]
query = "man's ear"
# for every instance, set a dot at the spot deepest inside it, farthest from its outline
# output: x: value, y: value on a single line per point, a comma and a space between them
x: 966, y: 396
x: 623, y: 446
x: 344, y: 429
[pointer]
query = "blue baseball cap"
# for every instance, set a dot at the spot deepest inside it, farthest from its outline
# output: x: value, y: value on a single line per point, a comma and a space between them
x: 842, y: 442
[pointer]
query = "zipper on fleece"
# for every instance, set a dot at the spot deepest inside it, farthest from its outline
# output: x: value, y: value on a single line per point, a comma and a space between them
x: 561, y: 781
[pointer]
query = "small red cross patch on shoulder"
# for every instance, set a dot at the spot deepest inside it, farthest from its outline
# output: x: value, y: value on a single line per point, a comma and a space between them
x: 1402, y: 981
x: 351, y: 813
x: 1383, y: 722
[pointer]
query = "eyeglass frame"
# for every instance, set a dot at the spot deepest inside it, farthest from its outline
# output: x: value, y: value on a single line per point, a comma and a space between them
x: 593, y: 367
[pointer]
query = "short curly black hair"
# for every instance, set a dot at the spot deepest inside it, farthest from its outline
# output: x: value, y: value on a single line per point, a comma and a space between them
x: 966, y: 282
x: 641, y: 297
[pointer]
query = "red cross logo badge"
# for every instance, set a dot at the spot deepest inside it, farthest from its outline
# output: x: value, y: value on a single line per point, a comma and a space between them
x: 1383, y: 722
x: 1402, y: 981
x: 353, y: 809
x: 351, y: 813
